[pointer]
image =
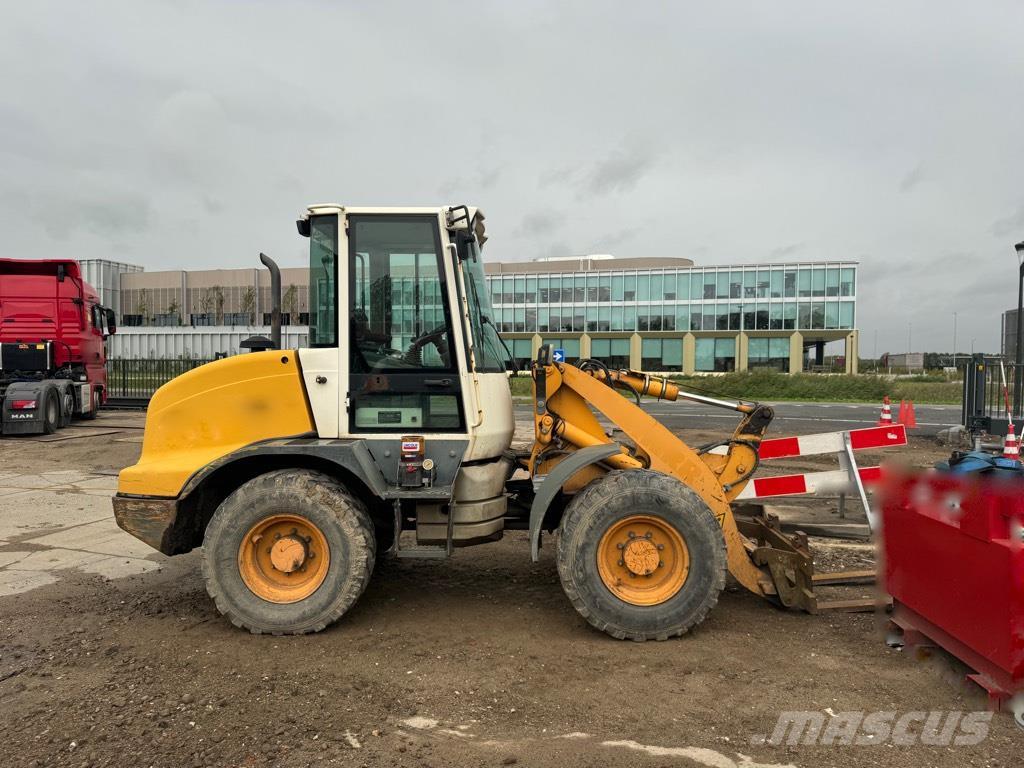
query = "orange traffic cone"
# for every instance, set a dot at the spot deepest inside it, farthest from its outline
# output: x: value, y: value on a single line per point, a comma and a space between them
x: 1010, y: 448
x: 901, y: 418
x: 885, y: 419
x: 909, y: 420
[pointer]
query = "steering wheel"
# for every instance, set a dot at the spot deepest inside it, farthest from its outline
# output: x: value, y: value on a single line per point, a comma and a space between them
x: 414, y: 354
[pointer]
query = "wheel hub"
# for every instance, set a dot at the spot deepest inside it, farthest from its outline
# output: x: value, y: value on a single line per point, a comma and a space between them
x: 284, y: 558
x: 643, y: 560
x: 640, y: 556
x: 288, y: 554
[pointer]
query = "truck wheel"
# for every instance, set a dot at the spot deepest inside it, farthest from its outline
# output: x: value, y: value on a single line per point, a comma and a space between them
x: 95, y: 395
x: 51, y: 411
x: 641, y: 556
x: 288, y: 553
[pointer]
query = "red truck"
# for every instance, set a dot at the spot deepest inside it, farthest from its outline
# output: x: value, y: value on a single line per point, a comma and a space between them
x: 52, y: 351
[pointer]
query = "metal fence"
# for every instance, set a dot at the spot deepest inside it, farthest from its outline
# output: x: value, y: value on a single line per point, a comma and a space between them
x: 984, y: 400
x: 139, y: 379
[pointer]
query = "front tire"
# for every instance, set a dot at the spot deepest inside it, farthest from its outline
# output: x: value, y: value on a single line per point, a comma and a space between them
x: 641, y: 556
x: 289, y: 552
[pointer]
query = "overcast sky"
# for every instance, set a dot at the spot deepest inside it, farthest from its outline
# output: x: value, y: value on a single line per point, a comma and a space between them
x: 190, y: 135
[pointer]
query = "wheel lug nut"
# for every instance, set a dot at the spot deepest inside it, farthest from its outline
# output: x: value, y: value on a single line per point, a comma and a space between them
x: 269, y: 550
x: 620, y: 545
x: 661, y: 564
x: 632, y: 575
x: 632, y: 535
x: 647, y: 535
x: 661, y: 547
x: 312, y: 555
x: 294, y: 531
x: 621, y: 562
x: 277, y: 537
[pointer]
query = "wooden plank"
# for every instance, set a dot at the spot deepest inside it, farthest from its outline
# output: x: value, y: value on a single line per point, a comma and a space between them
x: 844, y: 577
x: 858, y: 605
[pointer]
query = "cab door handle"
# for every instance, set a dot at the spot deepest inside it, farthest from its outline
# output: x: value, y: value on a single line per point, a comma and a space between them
x: 437, y: 382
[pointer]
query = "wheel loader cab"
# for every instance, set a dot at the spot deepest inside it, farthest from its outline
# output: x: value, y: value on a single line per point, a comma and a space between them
x: 400, y: 338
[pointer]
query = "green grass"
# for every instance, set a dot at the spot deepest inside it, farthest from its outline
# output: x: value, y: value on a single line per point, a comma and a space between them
x: 769, y: 385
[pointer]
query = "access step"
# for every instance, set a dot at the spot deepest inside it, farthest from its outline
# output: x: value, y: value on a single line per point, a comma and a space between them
x: 423, y: 552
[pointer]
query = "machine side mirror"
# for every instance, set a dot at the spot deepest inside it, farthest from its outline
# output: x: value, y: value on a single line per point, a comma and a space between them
x: 111, y: 321
x: 303, y: 226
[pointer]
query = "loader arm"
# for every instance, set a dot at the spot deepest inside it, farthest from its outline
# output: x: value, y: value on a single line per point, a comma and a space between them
x: 564, y: 397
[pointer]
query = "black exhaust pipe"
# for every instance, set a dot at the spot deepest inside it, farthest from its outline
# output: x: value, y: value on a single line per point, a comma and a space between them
x: 275, y: 299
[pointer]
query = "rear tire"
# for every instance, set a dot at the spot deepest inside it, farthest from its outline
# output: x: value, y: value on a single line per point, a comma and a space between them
x: 685, y: 556
x: 51, y: 412
x: 250, y: 591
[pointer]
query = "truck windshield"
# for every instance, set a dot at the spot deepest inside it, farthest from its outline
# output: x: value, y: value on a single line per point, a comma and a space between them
x: 488, y: 351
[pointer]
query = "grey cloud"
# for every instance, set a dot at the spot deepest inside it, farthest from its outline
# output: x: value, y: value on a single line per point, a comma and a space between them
x: 914, y: 177
x: 621, y: 171
x: 183, y: 139
x: 1012, y: 225
x: 786, y: 250
x: 537, y: 223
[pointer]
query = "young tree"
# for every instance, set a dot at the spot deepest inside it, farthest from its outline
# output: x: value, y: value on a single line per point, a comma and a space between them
x: 290, y: 303
x: 218, y: 300
x: 249, y: 303
x: 142, y: 305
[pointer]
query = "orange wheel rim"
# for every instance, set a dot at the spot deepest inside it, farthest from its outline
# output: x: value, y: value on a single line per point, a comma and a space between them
x: 643, y: 560
x: 283, y: 558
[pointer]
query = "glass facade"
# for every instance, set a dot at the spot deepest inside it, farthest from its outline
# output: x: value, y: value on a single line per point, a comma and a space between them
x: 773, y: 297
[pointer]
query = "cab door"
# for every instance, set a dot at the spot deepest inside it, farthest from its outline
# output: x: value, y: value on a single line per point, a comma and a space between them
x: 403, y: 364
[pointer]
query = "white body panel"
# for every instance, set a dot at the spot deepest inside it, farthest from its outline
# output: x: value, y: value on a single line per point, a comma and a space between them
x: 324, y: 398
x: 496, y: 419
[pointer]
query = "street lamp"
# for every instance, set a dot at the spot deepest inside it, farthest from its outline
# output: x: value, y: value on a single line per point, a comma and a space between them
x: 954, y: 340
x: 1018, y: 379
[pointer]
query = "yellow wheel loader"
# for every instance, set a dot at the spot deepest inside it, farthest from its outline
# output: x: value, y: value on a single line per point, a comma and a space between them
x: 295, y: 470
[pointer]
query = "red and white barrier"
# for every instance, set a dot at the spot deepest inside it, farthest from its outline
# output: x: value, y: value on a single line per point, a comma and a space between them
x: 849, y: 479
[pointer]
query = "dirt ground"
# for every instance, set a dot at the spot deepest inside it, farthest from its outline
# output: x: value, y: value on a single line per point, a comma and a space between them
x: 476, y: 661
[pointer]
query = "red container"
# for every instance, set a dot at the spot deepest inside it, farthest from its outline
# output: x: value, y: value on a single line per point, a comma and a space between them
x: 954, y: 565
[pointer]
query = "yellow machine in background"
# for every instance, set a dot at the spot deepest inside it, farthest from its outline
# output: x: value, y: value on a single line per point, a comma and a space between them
x: 295, y: 469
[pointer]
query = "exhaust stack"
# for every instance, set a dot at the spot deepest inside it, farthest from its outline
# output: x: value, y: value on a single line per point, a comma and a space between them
x: 275, y: 299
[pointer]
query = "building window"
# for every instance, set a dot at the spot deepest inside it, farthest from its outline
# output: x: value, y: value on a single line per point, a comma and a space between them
x: 131, y: 320
x: 166, y: 319
x: 768, y: 353
x: 612, y: 352
x: 846, y: 314
x: 522, y: 352
x: 846, y: 278
x: 237, y: 318
x: 571, y: 347
x: 202, y: 318
x: 790, y: 282
x: 661, y: 355
x: 715, y: 355
x: 708, y: 291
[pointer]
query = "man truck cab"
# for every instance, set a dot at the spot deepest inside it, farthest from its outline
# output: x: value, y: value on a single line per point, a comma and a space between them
x: 52, y: 345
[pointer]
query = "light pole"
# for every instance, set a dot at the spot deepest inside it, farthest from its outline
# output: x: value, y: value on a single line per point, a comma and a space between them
x: 954, y: 340
x: 1018, y: 379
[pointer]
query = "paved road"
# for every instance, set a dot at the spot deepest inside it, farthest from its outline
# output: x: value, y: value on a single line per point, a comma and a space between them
x: 56, y: 521
x: 792, y: 418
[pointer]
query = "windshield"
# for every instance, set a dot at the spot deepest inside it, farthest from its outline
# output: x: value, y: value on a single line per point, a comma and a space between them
x: 488, y: 350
